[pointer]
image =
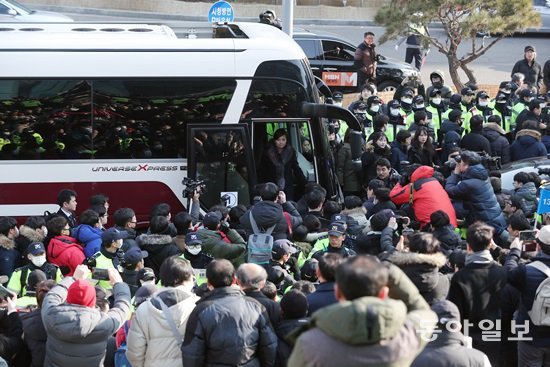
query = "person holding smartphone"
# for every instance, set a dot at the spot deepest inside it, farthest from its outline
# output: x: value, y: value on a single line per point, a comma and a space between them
x: 11, y: 342
x: 527, y: 278
x: 77, y: 330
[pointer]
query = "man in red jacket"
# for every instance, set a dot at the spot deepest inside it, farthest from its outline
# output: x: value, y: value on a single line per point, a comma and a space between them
x: 426, y: 195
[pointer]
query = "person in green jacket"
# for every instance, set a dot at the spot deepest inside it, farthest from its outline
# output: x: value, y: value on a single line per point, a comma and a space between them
x: 220, y: 241
x: 380, y: 320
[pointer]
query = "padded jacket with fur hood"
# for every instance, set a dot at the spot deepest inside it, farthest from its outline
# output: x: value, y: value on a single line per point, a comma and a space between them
x: 527, y: 145
x: 27, y: 235
x: 423, y: 270
x: 159, y: 247
x: 500, y: 147
x: 77, y: 335
x: 150, y: 340
x: 9, y: 256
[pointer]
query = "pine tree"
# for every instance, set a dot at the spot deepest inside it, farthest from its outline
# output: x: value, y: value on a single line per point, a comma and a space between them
x: 461, y: 21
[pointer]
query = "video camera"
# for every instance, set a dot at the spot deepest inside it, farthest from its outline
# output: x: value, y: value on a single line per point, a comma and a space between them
x: 491, y: 163
x: 192, y: 186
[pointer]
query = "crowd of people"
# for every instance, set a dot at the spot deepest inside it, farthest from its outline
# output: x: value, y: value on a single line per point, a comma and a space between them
x: 426, y: 261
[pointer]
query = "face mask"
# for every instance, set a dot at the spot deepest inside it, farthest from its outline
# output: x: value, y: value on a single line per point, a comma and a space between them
x: 437, y: 84
x: 339, y: 104
x: 436, y: 101
x: 419, y: 106
x: 483, y: 103
x: 38, y: 261
x: 529, y: 99
x: 394, y: 111
x: 45, y: 231
x: 194, y: 250
x: 375, y: 108
x: 407, y: 100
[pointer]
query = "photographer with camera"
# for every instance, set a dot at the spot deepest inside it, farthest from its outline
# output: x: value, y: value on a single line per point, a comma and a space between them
x: 470, y: 188
x: 424, y: 193
x: 220, y: 241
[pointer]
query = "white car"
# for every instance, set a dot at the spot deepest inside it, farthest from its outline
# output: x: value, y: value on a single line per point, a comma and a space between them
x: 12, y: 11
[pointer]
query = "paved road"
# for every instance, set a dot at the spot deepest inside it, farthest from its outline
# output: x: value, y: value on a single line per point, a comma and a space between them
x: 491, y: 68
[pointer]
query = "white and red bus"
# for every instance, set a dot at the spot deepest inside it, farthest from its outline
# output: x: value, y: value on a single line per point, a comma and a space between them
x: 129, y: 110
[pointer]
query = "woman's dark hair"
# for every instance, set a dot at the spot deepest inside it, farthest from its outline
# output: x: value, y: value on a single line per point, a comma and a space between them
x: 402, y: 135
x: 278, y: 133
x: 427, y: 145
x: 174, y: 271
x: 423, y: 243
x: 377, y: 135
x: 89, y: 217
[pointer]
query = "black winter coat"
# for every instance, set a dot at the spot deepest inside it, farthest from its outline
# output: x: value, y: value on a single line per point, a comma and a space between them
x: 268, y: 213
x: 533, y: 73
x: 322, y: 297
x: 284, y: 347
x: 476, y: 291
x: 423, y: 271
x: 449, y: 350
x: 475, y: 142
x: 398, y: 154
x: 423, y: 157
x: 159, y: 247
x: 527, y: 279
x: 35, y: 336
x: 500, y: 147
x: 273, y: 309
x: 283, y: 170
x: 226, y: 328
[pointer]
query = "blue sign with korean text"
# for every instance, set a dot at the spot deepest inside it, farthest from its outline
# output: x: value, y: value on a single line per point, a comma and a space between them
x: 221, y: 12
x: 544, y: 202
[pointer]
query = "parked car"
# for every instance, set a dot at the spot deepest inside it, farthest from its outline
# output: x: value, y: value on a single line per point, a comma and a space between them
x: 12, y: 11
x: 541, y: 165
x: 331, y: 59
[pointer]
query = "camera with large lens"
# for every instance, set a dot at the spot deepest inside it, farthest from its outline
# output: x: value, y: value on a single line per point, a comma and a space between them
x: 192, y: 186
x: 455, y: 159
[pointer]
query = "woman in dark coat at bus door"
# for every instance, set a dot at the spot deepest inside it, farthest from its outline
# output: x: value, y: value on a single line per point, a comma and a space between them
x: 280, y: 165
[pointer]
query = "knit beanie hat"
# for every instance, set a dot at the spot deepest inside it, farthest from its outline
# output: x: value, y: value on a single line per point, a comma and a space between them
x: 81, y: 293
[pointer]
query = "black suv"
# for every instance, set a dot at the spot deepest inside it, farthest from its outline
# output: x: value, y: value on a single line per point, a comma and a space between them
x: 331, y: 59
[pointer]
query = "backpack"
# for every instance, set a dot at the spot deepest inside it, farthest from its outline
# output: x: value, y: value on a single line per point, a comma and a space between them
x: 120, y: 353
x: 540, y: 311
x: 260, y: 243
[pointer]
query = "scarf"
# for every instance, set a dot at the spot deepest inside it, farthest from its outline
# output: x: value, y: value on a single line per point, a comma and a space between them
x: 280, y: 161
x: 481, y: 257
